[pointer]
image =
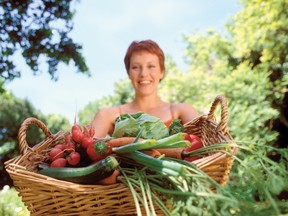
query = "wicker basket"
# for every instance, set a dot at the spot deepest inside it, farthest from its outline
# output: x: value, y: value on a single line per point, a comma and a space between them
x: 47, y: 196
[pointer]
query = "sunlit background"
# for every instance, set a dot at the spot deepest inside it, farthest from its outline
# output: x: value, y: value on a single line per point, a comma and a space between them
x: 105, y: 29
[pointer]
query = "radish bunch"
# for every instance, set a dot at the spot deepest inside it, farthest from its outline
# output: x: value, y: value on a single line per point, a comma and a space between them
x: 67, y: 153
x: 62, y: 154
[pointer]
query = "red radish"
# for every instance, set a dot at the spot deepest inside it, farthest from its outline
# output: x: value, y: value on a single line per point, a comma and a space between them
x: 56, y: 153
x: 70, y: 147
x: 88, y: 131
x: 69, y: 143
x: 68, y: 138
x: 60, y: 146
x: 77, y: 133
x: 60, y: 162
x: 87, y: 137
x: 86, y: 141
x: 91, y: 131
x: 74, y: 158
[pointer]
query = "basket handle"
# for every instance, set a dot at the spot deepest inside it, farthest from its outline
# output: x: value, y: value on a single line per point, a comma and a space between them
x: 223, y: 124
x: 23, y: 145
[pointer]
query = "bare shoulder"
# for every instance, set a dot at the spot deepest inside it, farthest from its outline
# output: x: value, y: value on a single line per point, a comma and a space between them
x: 109, y: 113
x: 184, y: 111
x: 109, y: 110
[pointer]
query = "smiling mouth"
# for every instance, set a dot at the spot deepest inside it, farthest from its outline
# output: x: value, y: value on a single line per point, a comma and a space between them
x: 144, y: 82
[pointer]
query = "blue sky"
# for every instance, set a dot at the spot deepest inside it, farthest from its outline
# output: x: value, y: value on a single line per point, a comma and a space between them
x: 105, y: 29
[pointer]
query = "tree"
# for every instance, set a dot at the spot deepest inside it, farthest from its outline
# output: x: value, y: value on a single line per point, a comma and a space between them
x: 13, y: 111
x: 37, y: 29
x: 123, y: 93
x: 260, y: 37
x: 57, y: 123
x: 248, y: 64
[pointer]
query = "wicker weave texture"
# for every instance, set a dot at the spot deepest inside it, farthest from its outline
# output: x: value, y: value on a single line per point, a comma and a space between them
x: 46, y: 196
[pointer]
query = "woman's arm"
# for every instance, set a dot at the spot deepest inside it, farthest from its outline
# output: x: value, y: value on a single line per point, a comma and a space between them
x: 103, y: 121
x: 186, y: 112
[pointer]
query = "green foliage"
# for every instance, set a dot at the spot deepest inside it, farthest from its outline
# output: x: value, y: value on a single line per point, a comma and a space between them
x: 248, y: 65
x: 123, y: 93
x: 11, y: 204
x: 31, y: 28
x: 260, y: 37
x: 176, y: 127
x: 13, y: 111
x: 258, y: 181
x: 57, y: 123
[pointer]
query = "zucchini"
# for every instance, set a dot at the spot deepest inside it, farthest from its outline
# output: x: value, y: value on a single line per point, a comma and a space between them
x: 84, y: 175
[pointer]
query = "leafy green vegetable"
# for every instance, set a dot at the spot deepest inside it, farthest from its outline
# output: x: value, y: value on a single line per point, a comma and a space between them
x: 131, y: 124
x: 176, y: 127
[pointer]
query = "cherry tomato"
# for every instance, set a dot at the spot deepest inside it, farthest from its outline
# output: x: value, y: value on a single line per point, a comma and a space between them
x: 91, y: 153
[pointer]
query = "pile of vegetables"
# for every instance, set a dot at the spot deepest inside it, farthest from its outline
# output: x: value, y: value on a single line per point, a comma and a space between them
x: 129, y: 125
x: 158, y: 166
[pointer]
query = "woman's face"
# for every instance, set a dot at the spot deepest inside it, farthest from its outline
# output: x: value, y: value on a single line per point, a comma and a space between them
x: 145, y: 72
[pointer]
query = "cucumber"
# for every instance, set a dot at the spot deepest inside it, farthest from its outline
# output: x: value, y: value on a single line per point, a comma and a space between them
x: 84, y: 175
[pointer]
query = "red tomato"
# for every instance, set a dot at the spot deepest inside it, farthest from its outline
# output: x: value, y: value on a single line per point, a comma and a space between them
x: 196, y: 143
x: 60, y: 162
x: 91, y: 153
x: 194, y: 137
x: 190, y: 159
x: 56, y: 153
x: 73, y: 158
x: 191, y: 137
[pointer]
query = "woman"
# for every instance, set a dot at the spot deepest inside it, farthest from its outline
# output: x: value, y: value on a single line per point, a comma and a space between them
x: 144, y: 62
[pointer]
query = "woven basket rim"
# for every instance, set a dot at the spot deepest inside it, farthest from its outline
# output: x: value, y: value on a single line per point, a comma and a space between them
x: 20, y: 170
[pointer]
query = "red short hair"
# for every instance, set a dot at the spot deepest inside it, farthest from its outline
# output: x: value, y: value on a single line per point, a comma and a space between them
x: 145, y: 45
